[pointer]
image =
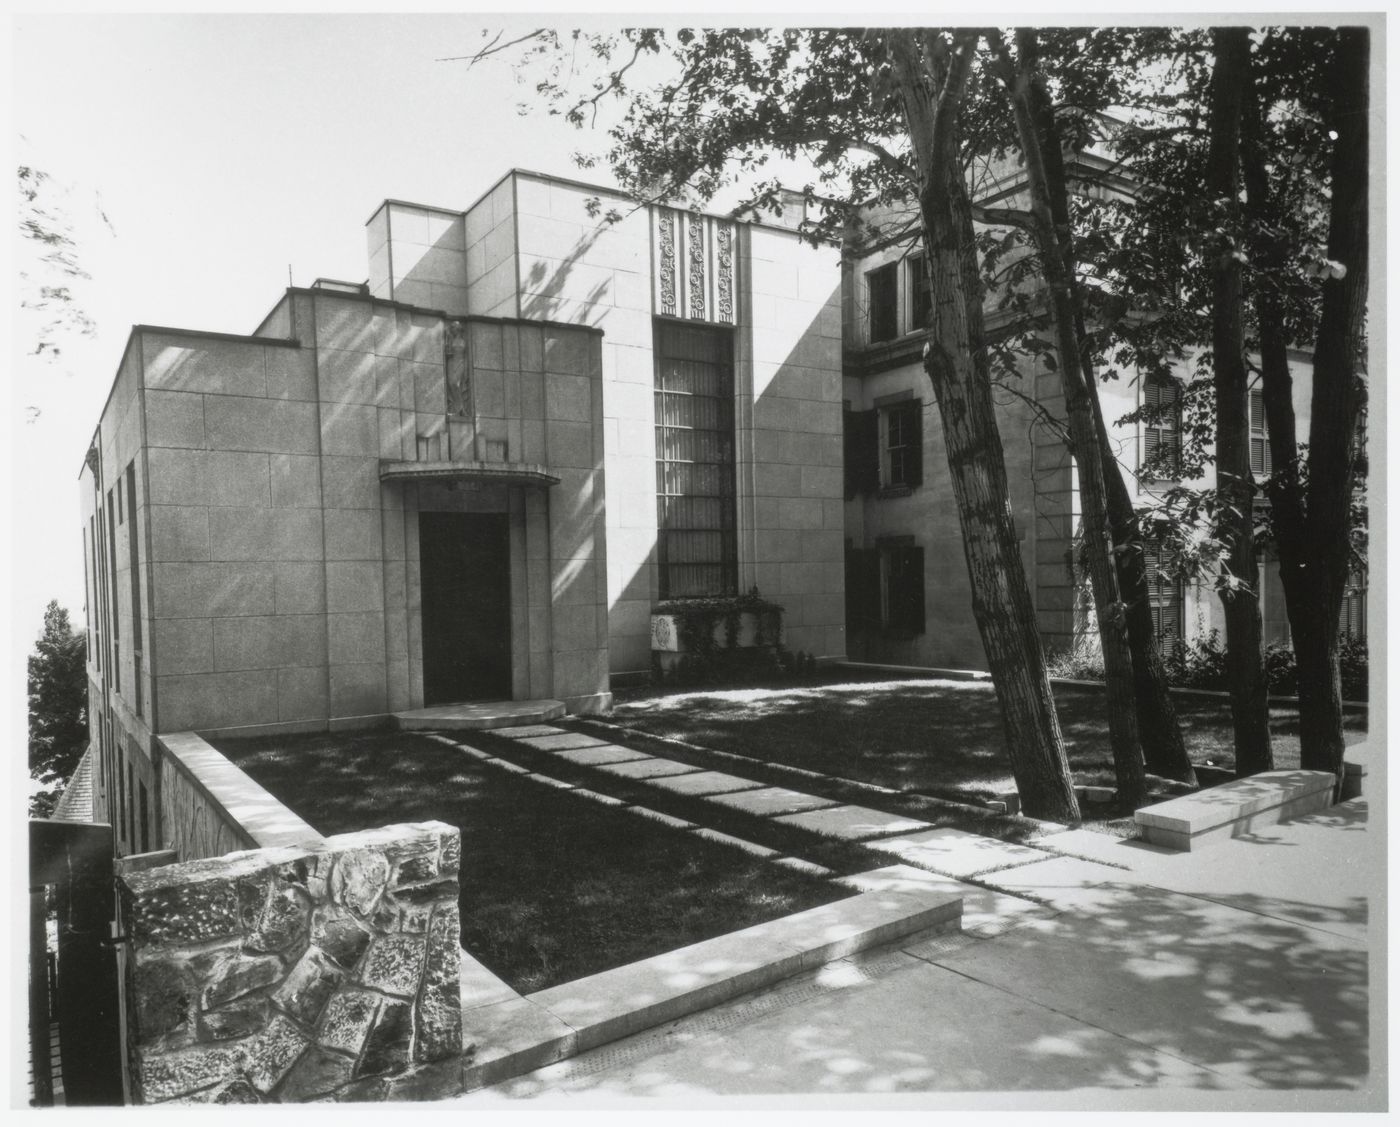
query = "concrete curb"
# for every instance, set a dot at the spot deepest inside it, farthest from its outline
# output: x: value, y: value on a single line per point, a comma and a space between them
x: 534, y: 1030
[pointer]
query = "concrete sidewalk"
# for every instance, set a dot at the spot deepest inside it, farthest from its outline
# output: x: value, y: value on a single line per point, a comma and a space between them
x: 1236, y: 977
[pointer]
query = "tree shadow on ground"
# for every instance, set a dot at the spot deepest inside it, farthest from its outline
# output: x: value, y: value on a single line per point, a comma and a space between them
x: 927, y: 735
x: 1131, y: 987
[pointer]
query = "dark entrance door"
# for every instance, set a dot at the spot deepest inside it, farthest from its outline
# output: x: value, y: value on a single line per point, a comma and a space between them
x: 464, y: 564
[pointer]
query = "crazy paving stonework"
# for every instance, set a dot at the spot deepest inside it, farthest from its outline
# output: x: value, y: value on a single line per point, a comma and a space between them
x: 299, y: 973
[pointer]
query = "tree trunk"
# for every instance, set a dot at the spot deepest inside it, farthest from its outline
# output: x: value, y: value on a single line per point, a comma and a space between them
x: 1163, y: 747
x: 1054, y: 240
x: 1338, y: 395
x: 1239, y: 589
x: 956, y: 361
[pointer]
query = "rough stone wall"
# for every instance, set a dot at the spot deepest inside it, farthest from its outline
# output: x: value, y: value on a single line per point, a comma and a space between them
x: 296, y: 974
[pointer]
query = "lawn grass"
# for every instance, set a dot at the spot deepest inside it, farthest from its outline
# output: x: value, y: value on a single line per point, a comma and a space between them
x: 553, y: 886
x: 938, y: 737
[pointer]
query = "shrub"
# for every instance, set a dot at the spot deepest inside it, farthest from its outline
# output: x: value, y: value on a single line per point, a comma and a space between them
x: 1199, y: 664
x: 1281, y: 671
x: 1355, y: 669
x: 1083, y: 661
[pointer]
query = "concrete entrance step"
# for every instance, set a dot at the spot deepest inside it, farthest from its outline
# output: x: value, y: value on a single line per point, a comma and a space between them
x: 476, y: 716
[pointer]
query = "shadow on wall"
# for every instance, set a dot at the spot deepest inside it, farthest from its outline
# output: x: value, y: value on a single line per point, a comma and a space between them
x: 1190, y: 996
x: 545, y: 285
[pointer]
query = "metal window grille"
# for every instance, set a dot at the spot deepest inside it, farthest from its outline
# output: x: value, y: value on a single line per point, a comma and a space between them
x: 697, y: 544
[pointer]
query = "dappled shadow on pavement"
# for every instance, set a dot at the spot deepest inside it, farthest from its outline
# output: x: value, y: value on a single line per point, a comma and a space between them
x: 1151, y: 990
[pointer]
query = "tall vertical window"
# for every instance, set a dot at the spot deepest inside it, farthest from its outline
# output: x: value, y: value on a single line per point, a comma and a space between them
x: 882, y: 287
x: 134, y: 562
x: 1161, y: 429
x: 1261, y: 459
x: 115, y: 611
x: 920, y: 297
x: 1167, y: 600
x: 697, y: 547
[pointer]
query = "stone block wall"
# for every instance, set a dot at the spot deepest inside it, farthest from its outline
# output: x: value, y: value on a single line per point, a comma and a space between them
x: 298, y: 973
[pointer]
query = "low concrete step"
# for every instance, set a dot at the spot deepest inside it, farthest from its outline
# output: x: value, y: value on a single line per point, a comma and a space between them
x: 477, y: 716
x: 1236, y: 808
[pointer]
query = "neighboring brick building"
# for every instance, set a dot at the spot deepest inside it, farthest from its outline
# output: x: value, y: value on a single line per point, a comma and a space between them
x: 908, y: 595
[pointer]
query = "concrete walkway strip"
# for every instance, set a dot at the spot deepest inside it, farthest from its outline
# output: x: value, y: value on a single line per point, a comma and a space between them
x: 852, y: 823
x: 704, y: 784
x: 613, y: 1004
x: 986, y: 912
x: 771, y: 800
x: 596, y: 756
x: 957, y: 853
x: 560, y: 741
x: 646, y: 768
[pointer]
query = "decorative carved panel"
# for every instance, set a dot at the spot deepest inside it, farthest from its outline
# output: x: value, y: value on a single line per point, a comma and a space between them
x: 695, y: 266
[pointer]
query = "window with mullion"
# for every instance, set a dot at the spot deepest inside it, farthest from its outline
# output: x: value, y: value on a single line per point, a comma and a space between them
x: 697, y: 546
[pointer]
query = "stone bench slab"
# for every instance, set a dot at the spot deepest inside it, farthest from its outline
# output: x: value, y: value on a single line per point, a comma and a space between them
x: 1235, y: 808
x: 1359, y: 763
x: 853, y: 823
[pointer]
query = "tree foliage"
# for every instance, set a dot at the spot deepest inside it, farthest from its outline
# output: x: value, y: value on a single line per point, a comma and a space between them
x: 46, y: 281
x: 58, y: 729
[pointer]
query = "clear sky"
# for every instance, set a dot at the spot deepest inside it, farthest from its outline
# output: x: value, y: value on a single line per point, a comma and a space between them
x: 224, y: 149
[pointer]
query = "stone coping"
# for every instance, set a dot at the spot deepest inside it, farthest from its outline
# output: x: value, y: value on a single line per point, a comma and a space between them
x: 1179, y: 821
x: 246, y: 805
x: 517, y: 1034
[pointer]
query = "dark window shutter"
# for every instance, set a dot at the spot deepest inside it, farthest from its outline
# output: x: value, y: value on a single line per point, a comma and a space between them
x: 862, y: 589
x: 862, y: 452
x: 914, y: 457
x: 906, y: 591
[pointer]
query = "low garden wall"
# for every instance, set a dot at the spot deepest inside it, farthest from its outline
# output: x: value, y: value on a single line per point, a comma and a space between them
x: 302, y: 972
x: 209, y: 807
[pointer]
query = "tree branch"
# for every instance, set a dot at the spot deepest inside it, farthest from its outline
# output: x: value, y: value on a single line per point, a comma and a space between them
x: 495, y: 47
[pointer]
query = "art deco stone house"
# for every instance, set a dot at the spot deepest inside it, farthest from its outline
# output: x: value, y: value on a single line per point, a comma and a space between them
x: 472, y: 476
